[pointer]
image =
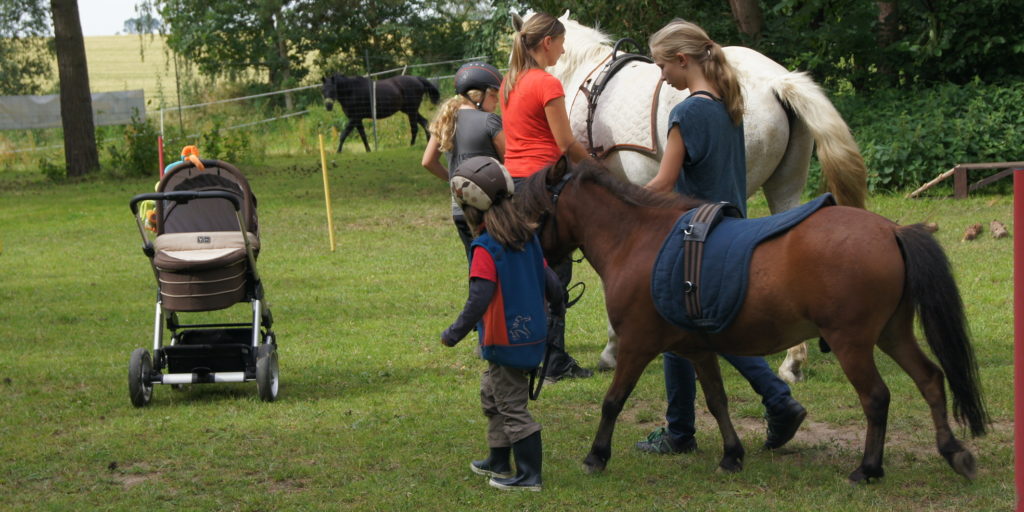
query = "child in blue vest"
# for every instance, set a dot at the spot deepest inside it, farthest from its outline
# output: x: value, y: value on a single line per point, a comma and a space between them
x: 509, y: 282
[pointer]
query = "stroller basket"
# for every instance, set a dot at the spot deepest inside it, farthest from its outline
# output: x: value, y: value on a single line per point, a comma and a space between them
x: 211, y: 351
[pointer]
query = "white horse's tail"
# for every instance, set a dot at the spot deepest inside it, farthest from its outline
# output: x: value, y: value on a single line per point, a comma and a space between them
x: 841, y: 161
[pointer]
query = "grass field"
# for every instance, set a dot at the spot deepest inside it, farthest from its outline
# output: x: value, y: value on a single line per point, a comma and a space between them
x: 374, y: 413
x: 127, y: 62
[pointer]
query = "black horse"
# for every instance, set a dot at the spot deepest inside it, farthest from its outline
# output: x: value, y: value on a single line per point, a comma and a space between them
x: 401, y: 93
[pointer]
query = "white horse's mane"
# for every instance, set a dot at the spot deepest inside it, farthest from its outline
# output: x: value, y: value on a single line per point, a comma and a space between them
x: 583, y: 45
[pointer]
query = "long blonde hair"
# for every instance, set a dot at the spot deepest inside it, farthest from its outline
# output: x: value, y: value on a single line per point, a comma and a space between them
x: 443, y: 125
x: 528, y: 35
x: 505, y: 221
x: 681, y: 36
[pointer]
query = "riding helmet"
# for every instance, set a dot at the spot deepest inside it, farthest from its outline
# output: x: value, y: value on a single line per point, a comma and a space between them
x: 480, y: 182
x: 478, y: 76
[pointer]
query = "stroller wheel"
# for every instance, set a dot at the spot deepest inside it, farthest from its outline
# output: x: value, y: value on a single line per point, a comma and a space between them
x: 267, y: 372
x: 140, y: 389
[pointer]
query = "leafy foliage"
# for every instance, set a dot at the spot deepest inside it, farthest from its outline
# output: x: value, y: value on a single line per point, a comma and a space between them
x: 134, y: 156
x: 25, y: 55
x: 908, y: 136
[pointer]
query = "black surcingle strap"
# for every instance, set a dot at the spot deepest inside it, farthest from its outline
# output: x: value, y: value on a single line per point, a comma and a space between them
x: 696, y: 232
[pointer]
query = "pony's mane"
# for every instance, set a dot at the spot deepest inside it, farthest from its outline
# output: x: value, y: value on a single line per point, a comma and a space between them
x: 535, y: 197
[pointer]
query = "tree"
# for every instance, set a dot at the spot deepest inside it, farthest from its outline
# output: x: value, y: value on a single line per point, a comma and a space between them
x: 749, y: 17
x: 80, y: 153
x: 145, y: 23
x: 25, y: 56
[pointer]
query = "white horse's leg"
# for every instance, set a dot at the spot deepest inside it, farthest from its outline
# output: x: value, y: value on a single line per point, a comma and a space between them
x: 791, y: 370
x: 611, y: 350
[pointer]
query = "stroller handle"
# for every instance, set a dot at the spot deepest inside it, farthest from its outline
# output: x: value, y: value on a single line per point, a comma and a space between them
x: 184, y: 197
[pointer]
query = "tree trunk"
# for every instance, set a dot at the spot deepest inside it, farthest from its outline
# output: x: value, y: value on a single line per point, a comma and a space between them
x: 749, y: 17
x: 80, y: 154
x: 888, y: 31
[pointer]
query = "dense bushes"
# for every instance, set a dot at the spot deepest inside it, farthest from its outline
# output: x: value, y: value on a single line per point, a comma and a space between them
x: 908, y: 137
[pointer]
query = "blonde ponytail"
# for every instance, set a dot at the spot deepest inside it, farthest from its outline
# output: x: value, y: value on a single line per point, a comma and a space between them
x: 681, y: 36
x: 527, y: 38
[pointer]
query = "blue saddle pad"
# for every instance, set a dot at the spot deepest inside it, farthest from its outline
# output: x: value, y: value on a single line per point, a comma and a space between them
x: 725, y: 268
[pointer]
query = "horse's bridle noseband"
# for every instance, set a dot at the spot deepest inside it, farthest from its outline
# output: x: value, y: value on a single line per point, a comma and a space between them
x: 556, y: 191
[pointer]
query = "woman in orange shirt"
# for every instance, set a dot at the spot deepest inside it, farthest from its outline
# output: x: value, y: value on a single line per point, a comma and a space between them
x: 537, y: 134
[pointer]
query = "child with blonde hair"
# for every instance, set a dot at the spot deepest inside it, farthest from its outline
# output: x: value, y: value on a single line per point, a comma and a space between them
x: 466, y: 126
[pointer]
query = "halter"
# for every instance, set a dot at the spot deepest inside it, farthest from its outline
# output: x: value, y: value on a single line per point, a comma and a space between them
x: 556, y: 191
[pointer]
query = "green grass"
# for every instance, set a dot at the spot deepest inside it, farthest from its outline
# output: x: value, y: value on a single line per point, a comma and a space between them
x: 374, y: 413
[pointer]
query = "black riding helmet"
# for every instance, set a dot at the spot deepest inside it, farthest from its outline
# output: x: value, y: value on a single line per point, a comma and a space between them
x: 478, y: 76
x: 480, y: 182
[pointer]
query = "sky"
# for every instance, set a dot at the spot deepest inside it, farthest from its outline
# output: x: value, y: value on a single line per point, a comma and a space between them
x: 105, y: 17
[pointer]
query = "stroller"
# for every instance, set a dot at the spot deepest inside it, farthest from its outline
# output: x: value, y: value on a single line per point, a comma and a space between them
x: 204, y: 259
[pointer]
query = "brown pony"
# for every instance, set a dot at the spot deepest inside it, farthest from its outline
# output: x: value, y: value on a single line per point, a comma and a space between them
x: 844, y: 274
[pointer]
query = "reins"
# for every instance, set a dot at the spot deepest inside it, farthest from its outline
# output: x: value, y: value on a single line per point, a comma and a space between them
x: 538, y: 375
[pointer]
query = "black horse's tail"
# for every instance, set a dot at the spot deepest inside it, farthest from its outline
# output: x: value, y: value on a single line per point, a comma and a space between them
x: 435, y: 95
x: 937, y: 300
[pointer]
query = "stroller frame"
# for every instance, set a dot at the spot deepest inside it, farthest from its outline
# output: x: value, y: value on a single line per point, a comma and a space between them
x: 210, y: 352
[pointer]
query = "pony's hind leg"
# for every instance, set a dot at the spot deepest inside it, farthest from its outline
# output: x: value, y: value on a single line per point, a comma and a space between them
x: 899, y: 343
x: 710, y: 375
x: 857, y: 361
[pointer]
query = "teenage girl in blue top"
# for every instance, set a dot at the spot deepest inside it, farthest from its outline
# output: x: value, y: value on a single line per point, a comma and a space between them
x: 704, y: 157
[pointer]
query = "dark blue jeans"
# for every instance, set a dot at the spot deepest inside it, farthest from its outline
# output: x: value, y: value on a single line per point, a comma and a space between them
x: 681, y: 389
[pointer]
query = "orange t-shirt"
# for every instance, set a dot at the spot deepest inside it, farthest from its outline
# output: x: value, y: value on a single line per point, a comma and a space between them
x: 529, y: 143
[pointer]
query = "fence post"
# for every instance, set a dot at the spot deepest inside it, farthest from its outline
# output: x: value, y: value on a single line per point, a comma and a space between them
x: 1018, y: 334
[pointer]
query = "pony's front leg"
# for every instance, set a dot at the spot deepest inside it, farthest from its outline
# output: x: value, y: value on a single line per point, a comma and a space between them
x: 362, y: 135
x: 627, y: 373
x: 344, y: 133
x: 710, y: 376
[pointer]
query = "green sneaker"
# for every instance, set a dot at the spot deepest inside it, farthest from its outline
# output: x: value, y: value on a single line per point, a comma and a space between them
x: 660, y: 442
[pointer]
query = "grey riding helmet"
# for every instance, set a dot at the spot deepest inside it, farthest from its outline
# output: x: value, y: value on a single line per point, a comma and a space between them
x: 480, y: 182
x: 478, y: 76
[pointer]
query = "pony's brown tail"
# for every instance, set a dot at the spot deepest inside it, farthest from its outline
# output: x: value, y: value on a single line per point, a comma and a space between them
x: 841, y: 161
x: 936, y: 298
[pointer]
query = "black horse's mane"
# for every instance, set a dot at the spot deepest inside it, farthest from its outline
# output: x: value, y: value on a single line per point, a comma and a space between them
x: 535, y: 197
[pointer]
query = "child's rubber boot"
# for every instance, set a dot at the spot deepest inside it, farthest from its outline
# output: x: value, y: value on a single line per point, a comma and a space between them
x: 497, y: 464
x: 529, y: 456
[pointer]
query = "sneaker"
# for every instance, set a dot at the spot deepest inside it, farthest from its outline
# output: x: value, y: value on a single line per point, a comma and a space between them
x: 660, y: 442
x: 574, y: 371
x: 783, y: 423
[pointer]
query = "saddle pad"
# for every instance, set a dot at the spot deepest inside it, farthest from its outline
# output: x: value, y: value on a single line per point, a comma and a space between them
x: 725, y: 270
x: 623, y: 118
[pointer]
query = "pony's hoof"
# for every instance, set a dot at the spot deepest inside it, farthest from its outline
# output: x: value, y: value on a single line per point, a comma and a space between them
x: 729, y: 465
x: 593, y: 465
x: 963, y: 463
x: 865, y: 476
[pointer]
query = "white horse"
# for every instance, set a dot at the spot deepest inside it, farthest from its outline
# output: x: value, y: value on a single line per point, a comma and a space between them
x: 786, y: 114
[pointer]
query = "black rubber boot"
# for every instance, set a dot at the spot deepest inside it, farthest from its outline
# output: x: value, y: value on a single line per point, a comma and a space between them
x: 529, y: 455
x: 496, y: 465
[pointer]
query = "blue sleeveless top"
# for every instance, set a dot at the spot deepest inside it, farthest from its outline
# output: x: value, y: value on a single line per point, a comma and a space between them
x: 715, y: 167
